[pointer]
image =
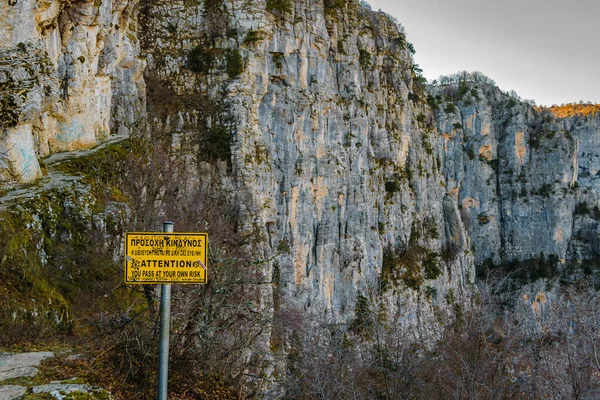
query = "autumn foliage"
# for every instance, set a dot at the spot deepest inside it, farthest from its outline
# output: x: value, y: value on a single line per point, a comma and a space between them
x: 574, y: 109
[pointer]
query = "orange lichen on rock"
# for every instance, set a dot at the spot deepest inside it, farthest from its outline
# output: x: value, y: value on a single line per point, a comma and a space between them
x: 520, y: 147
x: 485, y: 152
x: 469, y: 202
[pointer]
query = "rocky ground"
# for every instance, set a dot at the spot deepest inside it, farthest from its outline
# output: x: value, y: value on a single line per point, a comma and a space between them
x: 20, y: 378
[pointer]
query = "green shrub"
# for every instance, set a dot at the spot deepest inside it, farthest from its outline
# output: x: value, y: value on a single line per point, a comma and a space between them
x: 9, y: 111
x: 463, y: 89
x: 232, y: 33
x: 340, y: 46
x: 582, y: 209
x: 364, y: 58
x: 217, y: 145
x: 279, y: 6
x: 400, y: 41
x: 431, y: 293
x: 421, y: 168
x: 235, y: 63
x: 427, y: 145
x: 392, y: 186
x: 450, y: 299
x: 278, y: 60
x: 431, y: 266
x: 213, y: 5
x: 407, y: 173
x: 433, y: 102
x: 283, y: 246
x: 332, y: 5
x: 363, y: 316
x: 202, y: 60
x: 254, y: 36
x: 470, y: 153
x: 450, y: 108
x: 545, y: 190
x: 410, y: 267
x: 525, y: 271
x: 575, y: 185
x: 433, y: 232
x: 483, y: 219
x: 494, y: 164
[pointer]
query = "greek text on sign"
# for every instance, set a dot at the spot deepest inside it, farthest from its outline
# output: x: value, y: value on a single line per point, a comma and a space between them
x: 166, y: 257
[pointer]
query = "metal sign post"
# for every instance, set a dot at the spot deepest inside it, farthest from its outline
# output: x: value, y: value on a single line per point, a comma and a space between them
x: 165, y: 258
x: 165, y: 323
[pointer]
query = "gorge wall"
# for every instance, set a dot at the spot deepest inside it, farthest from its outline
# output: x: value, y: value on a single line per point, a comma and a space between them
x: 332, y: 143
x: 355, y: 180
x: 524, y: 179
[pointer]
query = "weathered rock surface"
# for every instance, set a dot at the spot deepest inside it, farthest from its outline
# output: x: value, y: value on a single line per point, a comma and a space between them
x: 60, y: 390
x: 21, y: 365
x: 519, y: 174
x: 11, y: 392
x: 70, y: 74
x: 340, y: 159
x: 24, y: 365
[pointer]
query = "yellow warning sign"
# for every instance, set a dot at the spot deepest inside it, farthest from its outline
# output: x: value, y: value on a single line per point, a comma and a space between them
x: 165, y: 257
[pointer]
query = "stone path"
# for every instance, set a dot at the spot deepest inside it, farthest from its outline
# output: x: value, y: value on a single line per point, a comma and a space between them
x: 25, y: 365
x: 21, y: 365
x: 54, y: 178
x: 10, y: 392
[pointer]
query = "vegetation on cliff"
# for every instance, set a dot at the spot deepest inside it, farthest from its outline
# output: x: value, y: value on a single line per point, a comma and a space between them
x: 63, y: 279
x: 580, y: 109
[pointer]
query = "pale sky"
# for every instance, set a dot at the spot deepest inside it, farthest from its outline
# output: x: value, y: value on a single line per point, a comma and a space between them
x: 546, y: 50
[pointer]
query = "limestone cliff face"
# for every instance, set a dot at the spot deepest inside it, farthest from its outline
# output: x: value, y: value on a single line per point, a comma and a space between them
x: 332, y: 143
x: 70, y: 76
x: 357, y: 184
x: 314, y: 114
x: 525, y: 180
x: 341, y: 161
x: 352, y: 184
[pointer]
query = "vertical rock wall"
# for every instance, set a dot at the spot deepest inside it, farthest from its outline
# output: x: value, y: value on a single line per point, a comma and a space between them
x: 332, y: 143
x: 70, y: 75
x: 519, y: 174
x: 353, y: 185
x: 342, y: 160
